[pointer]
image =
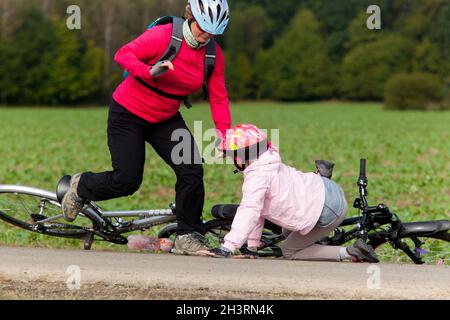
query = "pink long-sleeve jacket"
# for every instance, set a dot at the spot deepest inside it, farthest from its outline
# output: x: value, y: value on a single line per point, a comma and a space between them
x: 274, y: 191
x: 139, y: 55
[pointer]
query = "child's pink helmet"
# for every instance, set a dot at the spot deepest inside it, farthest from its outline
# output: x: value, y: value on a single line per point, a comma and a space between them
x: 246, y: 142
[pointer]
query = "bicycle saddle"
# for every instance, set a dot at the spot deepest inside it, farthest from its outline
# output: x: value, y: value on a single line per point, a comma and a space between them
x: 424, y: 228
x: 224, y: 211
x: 62, y: 187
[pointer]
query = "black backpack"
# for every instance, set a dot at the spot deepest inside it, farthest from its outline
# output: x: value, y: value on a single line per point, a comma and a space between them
x: 172, y: 51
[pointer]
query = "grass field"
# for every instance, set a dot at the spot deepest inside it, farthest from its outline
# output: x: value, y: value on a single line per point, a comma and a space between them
x: 408, y: 155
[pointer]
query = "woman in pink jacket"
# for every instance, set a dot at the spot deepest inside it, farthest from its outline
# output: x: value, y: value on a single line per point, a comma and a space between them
x: 306, y: 205
x: 138, y: 115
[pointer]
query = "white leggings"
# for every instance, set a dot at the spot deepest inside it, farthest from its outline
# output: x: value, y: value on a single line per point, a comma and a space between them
x: 304, y: 247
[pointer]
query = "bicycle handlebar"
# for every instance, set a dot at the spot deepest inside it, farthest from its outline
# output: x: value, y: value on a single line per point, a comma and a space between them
x: 362, y: 182
x: 362, y: 169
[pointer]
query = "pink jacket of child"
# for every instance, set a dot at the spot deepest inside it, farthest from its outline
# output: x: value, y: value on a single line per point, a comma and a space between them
x: 289, y: 198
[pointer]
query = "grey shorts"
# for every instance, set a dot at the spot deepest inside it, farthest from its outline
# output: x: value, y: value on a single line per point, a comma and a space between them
x: 335, y: 204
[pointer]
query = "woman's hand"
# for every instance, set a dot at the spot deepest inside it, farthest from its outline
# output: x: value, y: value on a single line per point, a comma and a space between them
x: 167, y: 64
x: 161, y: 67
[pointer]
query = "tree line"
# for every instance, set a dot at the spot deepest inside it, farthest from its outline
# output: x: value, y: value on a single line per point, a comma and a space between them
x: 285, y: 50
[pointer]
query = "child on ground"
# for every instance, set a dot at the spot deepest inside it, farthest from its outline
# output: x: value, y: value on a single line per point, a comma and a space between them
x: 306, y: 205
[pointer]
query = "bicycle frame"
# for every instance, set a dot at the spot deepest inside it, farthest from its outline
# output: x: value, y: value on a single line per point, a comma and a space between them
x: 111, y: 231
x: 370, y: 216
x: 147, y: 218
x: 370, y: 219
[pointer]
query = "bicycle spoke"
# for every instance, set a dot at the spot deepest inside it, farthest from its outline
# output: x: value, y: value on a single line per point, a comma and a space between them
x: 215, y: 233
x: 25, y: 207
x: 10, y: 204
x: 29, y: 206
x: 431, y: 251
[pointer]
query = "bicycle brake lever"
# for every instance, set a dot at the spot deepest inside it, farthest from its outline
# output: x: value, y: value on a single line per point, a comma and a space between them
x: 357, y: 203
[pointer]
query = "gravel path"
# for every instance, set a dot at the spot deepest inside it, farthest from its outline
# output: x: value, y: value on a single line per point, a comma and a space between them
x: 43, y: 274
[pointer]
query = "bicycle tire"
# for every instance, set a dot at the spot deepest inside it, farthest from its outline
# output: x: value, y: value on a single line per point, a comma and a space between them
x: 168, y: 231
x: 62, y: 230
x: 171, y: 229
x: 442, y: 236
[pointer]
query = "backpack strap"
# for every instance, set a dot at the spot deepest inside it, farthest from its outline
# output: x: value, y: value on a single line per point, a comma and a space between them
x: 165, y: 94
x: 174, y: 47
x: 210, y: 58
x: 171, y: 52
x: 176, y: 39
x: 210, y: 62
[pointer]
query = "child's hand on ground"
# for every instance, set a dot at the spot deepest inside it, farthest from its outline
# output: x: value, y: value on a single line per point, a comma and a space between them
x: 218, y: 252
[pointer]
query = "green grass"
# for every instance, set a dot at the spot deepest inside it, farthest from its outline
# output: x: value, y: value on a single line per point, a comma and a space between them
x: 408, y: 155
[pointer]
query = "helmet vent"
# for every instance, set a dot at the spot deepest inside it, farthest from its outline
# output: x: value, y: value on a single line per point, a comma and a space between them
x: 202, y: 8
x: 211, y: 15
x: 219, y: 11
x: 223, y: 18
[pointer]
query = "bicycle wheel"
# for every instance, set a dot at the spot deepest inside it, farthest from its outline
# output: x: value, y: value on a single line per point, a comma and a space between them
x: 37, y: 211
x: 431, y: 249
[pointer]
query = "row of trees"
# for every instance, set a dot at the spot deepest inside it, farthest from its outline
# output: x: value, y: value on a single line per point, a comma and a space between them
x: 45, y: 64
x: 285, y: 50
x: 326, y: 50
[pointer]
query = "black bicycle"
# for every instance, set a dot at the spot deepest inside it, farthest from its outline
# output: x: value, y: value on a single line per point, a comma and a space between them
x: 377, y: 225
x: 39, y: 211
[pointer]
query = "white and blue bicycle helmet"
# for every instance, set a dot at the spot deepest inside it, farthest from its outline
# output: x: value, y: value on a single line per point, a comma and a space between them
x: 211, y: 15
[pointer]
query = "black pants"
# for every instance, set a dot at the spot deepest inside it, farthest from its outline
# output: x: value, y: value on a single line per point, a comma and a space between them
x: 127, y: 134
